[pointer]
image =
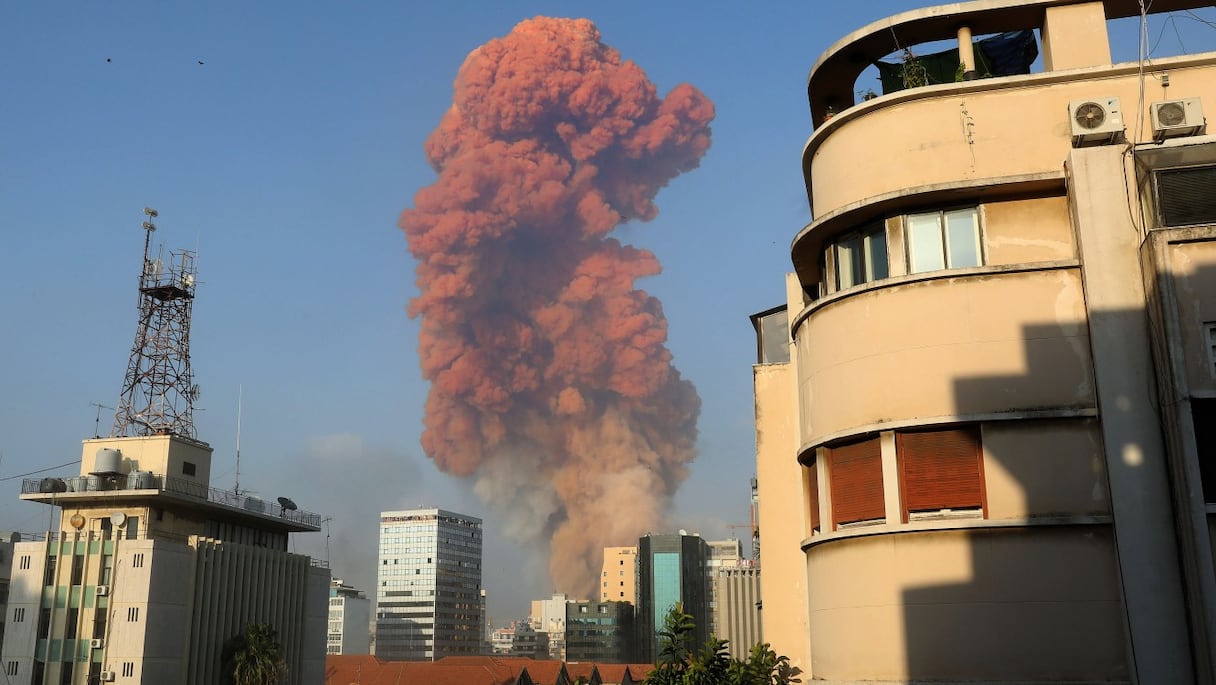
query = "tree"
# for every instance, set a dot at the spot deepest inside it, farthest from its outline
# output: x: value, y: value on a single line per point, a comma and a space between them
x: 678, y: 664
x: 255, y: 657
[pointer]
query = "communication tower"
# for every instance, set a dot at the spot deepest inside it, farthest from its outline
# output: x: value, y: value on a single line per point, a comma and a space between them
x: 158, y: 393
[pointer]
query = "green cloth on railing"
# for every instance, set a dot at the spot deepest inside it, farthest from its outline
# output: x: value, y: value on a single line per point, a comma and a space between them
x: 1004, y: 54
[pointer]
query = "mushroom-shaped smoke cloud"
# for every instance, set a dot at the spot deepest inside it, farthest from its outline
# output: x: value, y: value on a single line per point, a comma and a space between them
x: 551, y: 384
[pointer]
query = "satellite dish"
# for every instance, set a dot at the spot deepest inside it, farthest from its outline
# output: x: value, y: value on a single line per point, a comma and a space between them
x: 287, y: 504
x: 118, y: 518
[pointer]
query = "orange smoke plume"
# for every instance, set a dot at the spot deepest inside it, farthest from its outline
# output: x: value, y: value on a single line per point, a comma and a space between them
x: 551, y: 383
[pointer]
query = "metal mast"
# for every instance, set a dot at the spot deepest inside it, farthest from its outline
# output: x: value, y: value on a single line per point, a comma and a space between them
x: 158, y: 392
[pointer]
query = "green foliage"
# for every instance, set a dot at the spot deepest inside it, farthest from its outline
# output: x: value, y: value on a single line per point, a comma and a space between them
x: 255, y: 657
x: 678, y: 664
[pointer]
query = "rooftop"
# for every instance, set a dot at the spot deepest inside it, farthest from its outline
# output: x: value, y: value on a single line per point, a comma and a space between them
x: 104, y: 490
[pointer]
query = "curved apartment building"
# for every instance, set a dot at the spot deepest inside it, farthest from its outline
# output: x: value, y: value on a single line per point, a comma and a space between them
x: 986, y: 418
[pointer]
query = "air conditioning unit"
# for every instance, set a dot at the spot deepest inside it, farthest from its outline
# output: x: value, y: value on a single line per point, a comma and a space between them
x: 1177, y: 118
x: 107, y: 676
x: 1095, y: 121
x: 97, y: 643
x: 102, y: 590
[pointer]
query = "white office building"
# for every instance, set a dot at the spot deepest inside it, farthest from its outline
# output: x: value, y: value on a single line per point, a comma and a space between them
x: 428, y: 593
x: 350, y: 615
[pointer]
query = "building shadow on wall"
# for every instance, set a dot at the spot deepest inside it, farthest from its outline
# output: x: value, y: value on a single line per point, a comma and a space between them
x: 1040, y: 595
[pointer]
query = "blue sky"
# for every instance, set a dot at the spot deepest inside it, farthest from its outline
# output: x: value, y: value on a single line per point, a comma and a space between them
x: 286, y: 158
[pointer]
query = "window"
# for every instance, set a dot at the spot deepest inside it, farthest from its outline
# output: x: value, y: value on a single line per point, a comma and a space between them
x: 132, y: 614
x: 940, y: 470
x: 44, y: 622
x: 861, y: 257
x: 25, y: 562
x: 856, y: 483
x: 48, y: 577
x: 1203, y: 414
x: 99, y: 625
x: 128, y: 669
x: 1184, y: 196
x: 137, y: 560
x: 943, y: 240
x: 18, y: 614
x: 73, y: 620
x: 77, y: 569
x: 812, y: 487
x: 188, y: 468
x: 132, y: 527
x: 11, y: 668
x: 66, y: 671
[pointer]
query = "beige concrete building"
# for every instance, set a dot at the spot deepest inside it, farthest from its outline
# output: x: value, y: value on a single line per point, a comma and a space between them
x: 150, y: 571
x: 736, y: 609
x: 986, y: 417
x: 618, y: 578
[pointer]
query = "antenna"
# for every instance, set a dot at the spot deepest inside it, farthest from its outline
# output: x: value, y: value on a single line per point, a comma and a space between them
x: 157, y: 395
x: 240, y: 395
x: 97, y: 419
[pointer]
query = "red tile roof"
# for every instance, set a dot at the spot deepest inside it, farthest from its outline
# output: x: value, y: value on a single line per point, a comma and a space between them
x: 368, y: 670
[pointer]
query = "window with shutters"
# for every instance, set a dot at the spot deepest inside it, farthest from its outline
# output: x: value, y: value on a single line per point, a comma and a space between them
x: 812, y: 487
x: 941, y: 472
x: 856, y: 483
x: 1184, y: 196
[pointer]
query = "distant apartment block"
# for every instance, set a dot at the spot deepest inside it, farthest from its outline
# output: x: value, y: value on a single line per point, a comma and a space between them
x: 428, y: 594
x: 349, y: 620
x: 618, y: 578
x: 600, y: 632
x: 549, y: 617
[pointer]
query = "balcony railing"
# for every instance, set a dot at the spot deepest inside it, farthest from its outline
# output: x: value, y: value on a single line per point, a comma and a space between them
x: 145, y: 480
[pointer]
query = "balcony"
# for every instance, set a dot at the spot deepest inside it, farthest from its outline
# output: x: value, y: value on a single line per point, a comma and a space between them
x: 144, y: 485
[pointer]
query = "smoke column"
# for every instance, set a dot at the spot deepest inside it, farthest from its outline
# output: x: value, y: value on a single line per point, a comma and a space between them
x: 551, y: 385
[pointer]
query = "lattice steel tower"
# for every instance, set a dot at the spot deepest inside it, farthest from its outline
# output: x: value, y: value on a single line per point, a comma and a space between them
x: 158, y: 392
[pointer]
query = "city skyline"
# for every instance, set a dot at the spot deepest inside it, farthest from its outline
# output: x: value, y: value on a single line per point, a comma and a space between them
x: 283, y: 151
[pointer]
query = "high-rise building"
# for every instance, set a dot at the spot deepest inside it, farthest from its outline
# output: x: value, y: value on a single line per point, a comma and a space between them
x: 736, y: 611
x: 148, y: 571
x: 985, y: 413
x: 428, y: 594
x: 671, y: 571
x: 722, y: 554
x: 599, y: 632
x: 618, y: 578
x: 349, y: 620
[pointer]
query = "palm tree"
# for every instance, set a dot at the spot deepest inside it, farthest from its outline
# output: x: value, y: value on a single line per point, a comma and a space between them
x: 255, y: 657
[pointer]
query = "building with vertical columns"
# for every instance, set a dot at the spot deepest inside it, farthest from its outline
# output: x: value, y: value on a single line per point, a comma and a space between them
x: 984, y: 411
x: 150, y: 571
x: 428, y: 594
x: 737, y: 609
x: 720, y: 554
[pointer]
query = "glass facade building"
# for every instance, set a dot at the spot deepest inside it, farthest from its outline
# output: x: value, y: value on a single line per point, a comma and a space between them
x: 428, y: 585
x: 671, y: 570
